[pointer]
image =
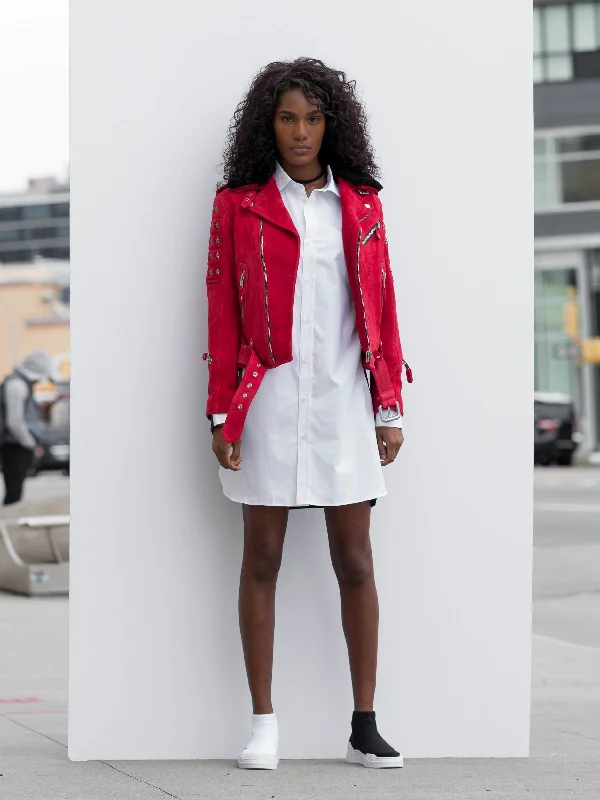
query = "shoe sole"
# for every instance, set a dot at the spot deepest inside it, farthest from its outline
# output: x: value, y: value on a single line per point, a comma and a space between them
x: 372, y: 762
x: 258, y: 762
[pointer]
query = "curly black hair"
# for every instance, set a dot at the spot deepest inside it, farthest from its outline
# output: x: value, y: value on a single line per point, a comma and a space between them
x: 250, y: 151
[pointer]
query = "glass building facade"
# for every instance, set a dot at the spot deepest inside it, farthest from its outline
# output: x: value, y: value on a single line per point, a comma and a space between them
x: 566, y: 59
x: 34, y: 225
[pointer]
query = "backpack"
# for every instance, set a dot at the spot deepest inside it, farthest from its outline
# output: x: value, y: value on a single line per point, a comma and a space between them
x: 2, y: 413
x: 32, y: 419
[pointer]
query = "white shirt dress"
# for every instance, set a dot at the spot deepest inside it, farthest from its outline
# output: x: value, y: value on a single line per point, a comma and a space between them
x: 309, y: 437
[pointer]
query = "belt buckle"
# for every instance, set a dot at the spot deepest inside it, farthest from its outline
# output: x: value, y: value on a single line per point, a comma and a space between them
x: 391, y: 415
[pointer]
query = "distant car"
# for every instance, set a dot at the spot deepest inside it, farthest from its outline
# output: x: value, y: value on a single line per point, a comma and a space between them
x: 556, y: 432
x: 54, y: 451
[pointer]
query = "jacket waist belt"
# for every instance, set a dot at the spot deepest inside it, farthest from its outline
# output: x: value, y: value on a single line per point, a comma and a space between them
x: 383, y: 382
x: 252, y: 379
x: 246, y: 391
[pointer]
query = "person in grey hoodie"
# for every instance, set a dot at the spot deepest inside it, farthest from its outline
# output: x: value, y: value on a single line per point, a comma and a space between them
x: 22, y: 423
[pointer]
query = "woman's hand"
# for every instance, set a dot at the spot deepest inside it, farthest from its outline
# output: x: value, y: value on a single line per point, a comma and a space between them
x: 389, y: 442
x: 227, y: 455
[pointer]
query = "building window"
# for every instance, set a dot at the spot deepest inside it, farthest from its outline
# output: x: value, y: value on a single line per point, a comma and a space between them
x: 10, y: 214
x: 55, y: 252
x: 59, y: 210
x: 35, y: 234
x: 566, y: 41
x: 36, y: 212
x: 11, y: 235
x: 567, y: 168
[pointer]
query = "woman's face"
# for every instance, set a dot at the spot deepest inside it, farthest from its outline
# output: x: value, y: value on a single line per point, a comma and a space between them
x: 299, y: 129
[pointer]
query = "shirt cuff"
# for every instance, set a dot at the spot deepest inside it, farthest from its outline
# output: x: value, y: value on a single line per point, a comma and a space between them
x: 393, y: 423
x: 218, y: 419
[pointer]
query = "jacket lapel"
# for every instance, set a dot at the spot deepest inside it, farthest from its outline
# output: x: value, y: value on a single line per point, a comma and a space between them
x: 267, y: 203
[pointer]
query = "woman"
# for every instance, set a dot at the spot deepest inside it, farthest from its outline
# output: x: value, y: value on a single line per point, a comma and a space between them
x: 301, y: 306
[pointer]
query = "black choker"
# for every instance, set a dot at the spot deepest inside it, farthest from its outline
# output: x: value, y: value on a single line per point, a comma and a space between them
x: 311, y: 180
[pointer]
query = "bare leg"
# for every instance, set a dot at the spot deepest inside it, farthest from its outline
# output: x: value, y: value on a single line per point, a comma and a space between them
x: 351, y: 557
x: 264, y: 534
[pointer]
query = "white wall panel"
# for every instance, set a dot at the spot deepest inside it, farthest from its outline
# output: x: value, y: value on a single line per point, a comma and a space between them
x: 156, y: 664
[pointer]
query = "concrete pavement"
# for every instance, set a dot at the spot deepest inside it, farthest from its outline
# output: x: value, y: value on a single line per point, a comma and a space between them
x: 565, y: 714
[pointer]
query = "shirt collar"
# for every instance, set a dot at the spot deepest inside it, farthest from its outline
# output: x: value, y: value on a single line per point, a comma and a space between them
x: 282, y: 179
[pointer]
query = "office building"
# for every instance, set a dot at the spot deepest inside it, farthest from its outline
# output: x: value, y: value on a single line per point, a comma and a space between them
x: 35, y: 223
x: 567, y: 203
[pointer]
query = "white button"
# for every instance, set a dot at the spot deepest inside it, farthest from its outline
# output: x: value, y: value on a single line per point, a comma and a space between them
x: 304, y: 398
x: 305, y: 359
x: 303, y: 436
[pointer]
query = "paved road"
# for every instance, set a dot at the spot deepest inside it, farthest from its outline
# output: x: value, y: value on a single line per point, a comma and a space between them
x: 565, y: 708
x: 567, y: 554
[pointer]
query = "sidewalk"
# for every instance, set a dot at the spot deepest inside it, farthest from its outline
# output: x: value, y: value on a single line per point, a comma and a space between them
x: 33, y: 735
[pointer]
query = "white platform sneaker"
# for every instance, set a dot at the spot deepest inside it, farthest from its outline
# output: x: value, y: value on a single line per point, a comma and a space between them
x: 262, y: 751
x: 367, y: 747
x: 372, y: 762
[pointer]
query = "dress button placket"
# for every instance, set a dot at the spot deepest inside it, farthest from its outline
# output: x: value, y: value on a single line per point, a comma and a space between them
x: 305, y: 365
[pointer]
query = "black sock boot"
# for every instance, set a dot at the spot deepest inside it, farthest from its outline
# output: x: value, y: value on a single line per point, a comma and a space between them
x: 366, y: 739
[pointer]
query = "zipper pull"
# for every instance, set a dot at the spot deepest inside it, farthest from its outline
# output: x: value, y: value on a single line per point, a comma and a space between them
x: 409, y: 375
x: 242, y: 278
x: 207, y: 357
x: 368, y: 355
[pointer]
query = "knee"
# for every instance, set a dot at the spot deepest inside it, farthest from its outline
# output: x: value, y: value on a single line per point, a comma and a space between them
x: 264, y: 560
x: 354, y: 568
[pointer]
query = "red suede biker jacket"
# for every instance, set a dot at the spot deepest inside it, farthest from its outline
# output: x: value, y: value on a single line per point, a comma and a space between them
x: 253, y: 256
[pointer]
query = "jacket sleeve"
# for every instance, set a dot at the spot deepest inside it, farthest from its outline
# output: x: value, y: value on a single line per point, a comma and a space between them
x: 224, y: 324
x: 391, y: 348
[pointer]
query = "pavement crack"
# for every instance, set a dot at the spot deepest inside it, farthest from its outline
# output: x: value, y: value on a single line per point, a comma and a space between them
x: 106, y: 763
x: 33, y: 730
x: 565, y: 595
x: 139, y: 780
x: 581, y: 735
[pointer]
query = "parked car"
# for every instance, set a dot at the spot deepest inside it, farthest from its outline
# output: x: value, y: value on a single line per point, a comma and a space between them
x: 556, y: 432
x: 54, y: 452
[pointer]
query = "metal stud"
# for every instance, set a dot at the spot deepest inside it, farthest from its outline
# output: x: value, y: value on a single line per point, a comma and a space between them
x: 367, y: 205
x: 215, y: 209
x: 245, y: 394
x: 255, y: 374
x: 210, y: 271
x: 218, y: 271
x: 249, y: 385
x: 217, y: 224
x: 217, y: 240
x: 217, y: 254
x: 240, y: 405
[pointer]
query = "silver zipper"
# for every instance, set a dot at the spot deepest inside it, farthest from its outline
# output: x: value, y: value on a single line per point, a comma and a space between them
x: 264, y: 266
x: 383, y: 275
x: 242, y: 303
x: 362, y: 300
x: 371, y: 232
